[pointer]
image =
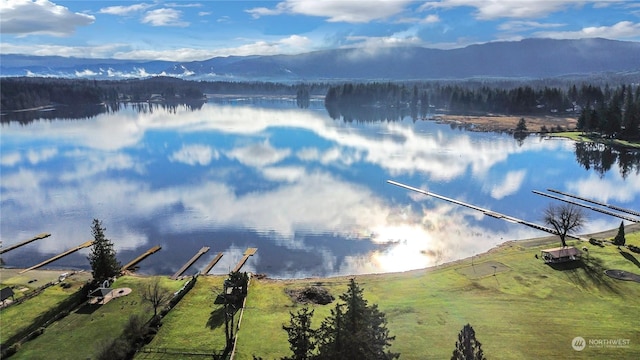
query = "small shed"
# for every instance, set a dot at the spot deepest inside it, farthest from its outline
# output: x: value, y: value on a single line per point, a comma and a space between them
x: 561, y: 254
x: 6, y: 293
x: 100, y: 293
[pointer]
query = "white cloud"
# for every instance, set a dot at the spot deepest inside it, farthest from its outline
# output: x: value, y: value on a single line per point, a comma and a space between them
x: 36, y: 157
x: 194, y: 155
x: 620, y: 190
x: 284, y: 173
x: 97, y: 163
x: 431, y: 19
x: 183, y: 5
x: 10, y: 159
x: 495, y: 9
x: 293, y: 44
x: 258, y: 155
x: 23, y: 181
x: 121, y: 10
x: 308, y: 154
x: 98, y: 51
x: 336, y: 10
x: 164, y: 17
x: 26, y: 17
x: 521, y: 25
x: 510, y: 185
x: 33, y: 156
x: 621, y: 30
x: 295, y: 41
x: 364, y: 47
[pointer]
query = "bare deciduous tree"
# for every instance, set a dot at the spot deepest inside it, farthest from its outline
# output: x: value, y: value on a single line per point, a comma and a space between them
x: 156, y: 295
x: 564, y: 218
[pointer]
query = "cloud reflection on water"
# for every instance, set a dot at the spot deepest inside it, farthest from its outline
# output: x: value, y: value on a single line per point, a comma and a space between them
x: 298, y: 193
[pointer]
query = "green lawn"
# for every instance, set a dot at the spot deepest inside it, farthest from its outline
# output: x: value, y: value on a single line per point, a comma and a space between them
x: 528, y: 310
x: 79, y: 335
x: 196, y: 323
x: 20, y: 316
x: 580, y: 136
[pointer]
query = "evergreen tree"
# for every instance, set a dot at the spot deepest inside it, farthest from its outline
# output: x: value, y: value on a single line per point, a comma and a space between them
x: 360, y: 332
x: 619, y: 239
x: 102, y: 258
x: 467, y: 346
x: 522, y: 125
x: 631, y: 119
x: 302, y: 338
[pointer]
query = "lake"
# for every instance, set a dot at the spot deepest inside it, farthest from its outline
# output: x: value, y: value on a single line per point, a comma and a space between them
x: 308, y: 191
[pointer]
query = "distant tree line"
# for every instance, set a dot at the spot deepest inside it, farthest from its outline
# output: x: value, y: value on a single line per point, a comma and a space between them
x: 29, y: 93
x: 607, y: 110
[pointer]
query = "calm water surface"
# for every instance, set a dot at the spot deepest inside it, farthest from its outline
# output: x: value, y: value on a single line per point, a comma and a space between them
x: 308, y: 191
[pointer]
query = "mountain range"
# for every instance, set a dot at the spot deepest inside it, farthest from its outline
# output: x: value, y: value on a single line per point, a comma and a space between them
x: 529, y: 58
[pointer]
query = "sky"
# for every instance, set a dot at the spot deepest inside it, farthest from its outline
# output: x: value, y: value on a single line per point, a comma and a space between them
x: 189, y: 30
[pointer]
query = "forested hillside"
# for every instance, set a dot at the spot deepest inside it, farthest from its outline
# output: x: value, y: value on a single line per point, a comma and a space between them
x: 614, y: 111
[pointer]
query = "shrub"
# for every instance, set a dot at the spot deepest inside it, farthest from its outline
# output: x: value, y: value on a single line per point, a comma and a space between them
x: 634, y: 248
x: 594, y: 241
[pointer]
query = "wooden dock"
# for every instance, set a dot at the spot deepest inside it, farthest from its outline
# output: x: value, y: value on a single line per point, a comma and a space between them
x: 247, y: 253
x: 603, y: 211
x: 487, y: 212
x: 59, y: 256
x: 190, y: 262
x: 212, y: 263
x: 133, y: 262
x: 15, y: 246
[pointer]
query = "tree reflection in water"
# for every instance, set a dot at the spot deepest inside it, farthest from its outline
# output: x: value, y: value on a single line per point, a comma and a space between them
x: 601, y: 157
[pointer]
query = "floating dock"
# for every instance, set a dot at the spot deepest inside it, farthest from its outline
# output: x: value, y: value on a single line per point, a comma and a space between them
x: 212, y: 263
x: 70, y: 251
x: 603, y: 211
x: 133, y: 262
x: 190, y: 262
x: 15, y: 246
x: 247, y: 253
x: 487, y: 212
x: 617, y: 208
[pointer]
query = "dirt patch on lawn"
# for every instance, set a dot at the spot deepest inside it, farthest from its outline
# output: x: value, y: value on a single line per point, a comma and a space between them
x: 312, y: 294
x: 483, y: 269
x: 508, y: 123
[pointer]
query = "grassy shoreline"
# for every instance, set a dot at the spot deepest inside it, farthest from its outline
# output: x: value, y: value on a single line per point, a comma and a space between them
x: 519, y: 307
x: 582, y: 137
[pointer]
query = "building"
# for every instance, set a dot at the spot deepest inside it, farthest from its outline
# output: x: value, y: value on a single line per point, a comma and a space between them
x: 561, y: 254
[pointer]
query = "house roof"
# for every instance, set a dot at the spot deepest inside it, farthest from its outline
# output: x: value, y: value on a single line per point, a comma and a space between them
x: 6, y: 293
x: 100, y: 292
x: 562, y: 251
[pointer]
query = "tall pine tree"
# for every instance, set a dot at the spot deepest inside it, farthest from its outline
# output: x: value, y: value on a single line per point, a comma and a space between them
x: 358, y: 332
x: 302, y: 338
x: 102, y: 258
x: 467, y: 347
x: 620, y: 239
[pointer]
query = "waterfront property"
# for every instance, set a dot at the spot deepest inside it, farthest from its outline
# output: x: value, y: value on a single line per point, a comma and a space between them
x: 561, y: 254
